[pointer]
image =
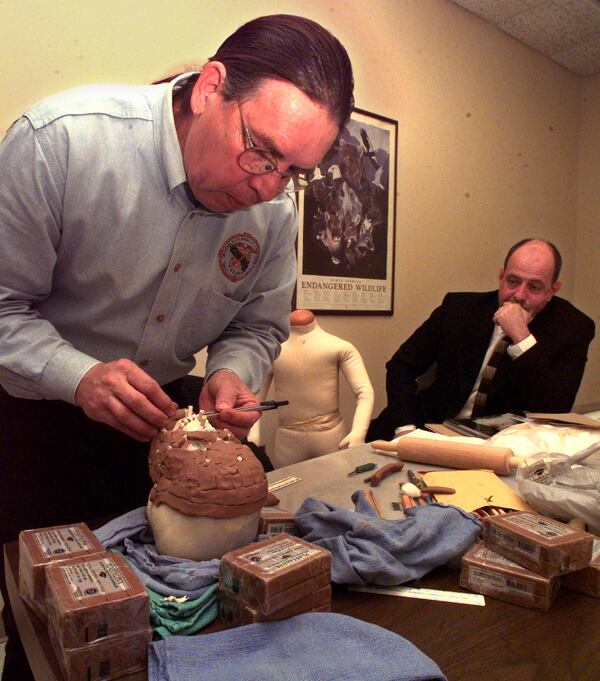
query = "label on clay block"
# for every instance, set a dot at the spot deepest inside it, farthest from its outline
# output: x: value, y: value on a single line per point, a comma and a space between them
x: 486, y: 578
x: 279, y: 555
x: 281, y: 528
x: 94, y: 577
x: 505, y: 539
x: 64, y: 541
x: 595, y: 550
x: 486, y: 554
x: 542, y: 526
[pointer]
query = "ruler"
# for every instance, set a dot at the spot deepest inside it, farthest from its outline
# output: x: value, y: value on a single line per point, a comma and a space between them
x: 427, y: 594
x: 284, y: 482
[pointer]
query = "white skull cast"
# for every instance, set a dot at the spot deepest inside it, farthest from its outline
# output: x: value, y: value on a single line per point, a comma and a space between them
x: 208, y: 489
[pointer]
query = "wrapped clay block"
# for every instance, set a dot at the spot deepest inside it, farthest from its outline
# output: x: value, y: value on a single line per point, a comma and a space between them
x: 587, y: 581
x: 105, y: 659
x: 485, y: 572
x: 91, y: 599
x: 541, y: 544
x: 235, y: 613
x: 300, y: 595
x: 47, y: 546
x: 272, y: 573
x: 274, y: 522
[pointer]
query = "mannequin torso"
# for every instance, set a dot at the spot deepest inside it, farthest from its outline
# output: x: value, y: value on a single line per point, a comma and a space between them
x: 307, y: 374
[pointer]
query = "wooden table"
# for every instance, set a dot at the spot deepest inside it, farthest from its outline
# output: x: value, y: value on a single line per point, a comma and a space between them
x: 497, y: 642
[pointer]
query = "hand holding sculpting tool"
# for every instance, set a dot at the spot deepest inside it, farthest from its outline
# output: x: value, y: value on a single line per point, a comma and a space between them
x: 261, y: 406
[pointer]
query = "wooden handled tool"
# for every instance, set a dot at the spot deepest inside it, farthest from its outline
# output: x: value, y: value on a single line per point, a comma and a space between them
x: 451, y: 454
x: 388, y: 469
x: 370, y: 497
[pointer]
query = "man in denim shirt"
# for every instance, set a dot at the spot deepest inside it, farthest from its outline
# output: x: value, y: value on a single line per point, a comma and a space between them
x: 139, y: 225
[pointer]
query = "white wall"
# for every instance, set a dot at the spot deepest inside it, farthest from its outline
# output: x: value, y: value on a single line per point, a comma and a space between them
x: 587, y: 274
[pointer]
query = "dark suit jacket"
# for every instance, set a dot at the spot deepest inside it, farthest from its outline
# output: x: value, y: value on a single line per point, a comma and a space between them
x: 456, y: 336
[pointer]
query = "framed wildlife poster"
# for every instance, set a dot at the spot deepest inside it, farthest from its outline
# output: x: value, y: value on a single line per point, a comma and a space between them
x: 347, y: 216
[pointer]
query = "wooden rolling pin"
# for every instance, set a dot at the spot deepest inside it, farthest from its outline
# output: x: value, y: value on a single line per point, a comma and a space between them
x: 451, y: 454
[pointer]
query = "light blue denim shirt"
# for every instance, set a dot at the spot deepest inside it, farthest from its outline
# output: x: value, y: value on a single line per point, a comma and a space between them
x: 103, y: 254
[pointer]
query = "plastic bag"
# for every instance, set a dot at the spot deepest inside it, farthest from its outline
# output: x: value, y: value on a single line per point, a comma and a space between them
x: 575, y: 494
x: 572, y: 493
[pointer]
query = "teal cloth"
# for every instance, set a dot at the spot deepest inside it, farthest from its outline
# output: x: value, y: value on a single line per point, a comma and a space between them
x: 169, y: 618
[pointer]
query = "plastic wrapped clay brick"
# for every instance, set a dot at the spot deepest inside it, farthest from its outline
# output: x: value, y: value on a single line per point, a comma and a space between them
x: 587, y: 581
x: 541, y: 544
x: 94, y: 598
x: 485, y: 572
x: 276, y: 522
x: 107, y: 658
x: 235, y: 613
x: 272, y: 573
x: 46, y: 546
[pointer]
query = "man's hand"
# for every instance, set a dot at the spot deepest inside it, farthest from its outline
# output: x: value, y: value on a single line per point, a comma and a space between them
x: 123, y: 396
x: 223, y: 391
x: 514, y: 321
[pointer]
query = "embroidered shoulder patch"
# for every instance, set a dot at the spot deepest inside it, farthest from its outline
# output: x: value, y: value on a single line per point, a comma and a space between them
x: 238, y: 255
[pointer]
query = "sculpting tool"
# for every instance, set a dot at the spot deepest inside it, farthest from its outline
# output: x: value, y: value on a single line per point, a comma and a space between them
x: 370, y: 497
x: 388, y: 469
x: 284, y: 482
x: 407, y: 502
x: 261, y: 406
x: 363, y: 468
x: 418, y: 481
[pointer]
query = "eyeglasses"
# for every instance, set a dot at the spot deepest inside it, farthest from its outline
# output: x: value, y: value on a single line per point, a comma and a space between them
x: 258, y: 161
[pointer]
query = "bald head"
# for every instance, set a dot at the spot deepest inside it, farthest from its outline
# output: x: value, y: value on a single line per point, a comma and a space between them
x: 555, y: 254
x: 529, y: 275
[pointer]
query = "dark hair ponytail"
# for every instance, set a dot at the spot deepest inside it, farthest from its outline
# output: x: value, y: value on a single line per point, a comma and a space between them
x: 294, y: 49
x: 284, y: 47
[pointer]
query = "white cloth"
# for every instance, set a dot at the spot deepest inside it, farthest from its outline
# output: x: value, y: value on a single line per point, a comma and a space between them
x: 527, y: 439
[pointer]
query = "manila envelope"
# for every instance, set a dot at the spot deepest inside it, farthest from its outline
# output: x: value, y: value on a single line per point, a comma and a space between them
x: 475, y: 489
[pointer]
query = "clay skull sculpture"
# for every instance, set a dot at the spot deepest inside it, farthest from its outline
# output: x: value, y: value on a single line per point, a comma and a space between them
x: 208, y: 489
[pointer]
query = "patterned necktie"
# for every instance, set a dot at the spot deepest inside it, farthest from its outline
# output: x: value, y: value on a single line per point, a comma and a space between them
x: 489, y: 371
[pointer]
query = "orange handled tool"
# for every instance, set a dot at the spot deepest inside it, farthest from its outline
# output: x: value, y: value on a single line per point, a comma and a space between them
x: 383, y: 472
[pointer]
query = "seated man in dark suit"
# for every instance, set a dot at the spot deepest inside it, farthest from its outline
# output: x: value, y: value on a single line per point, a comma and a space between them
x: 545, y: 342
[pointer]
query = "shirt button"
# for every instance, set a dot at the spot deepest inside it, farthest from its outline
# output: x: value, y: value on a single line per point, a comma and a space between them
x: 143, y: 362
x: 160, y: 318
x: 177, y: 267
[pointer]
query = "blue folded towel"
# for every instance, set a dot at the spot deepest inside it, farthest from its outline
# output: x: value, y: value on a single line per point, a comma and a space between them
x: 367, y: 549
x: 131, y: 535
x: 310, y: 647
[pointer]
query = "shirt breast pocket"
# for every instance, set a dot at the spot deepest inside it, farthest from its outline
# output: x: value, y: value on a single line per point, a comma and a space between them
x: 204, y: 321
